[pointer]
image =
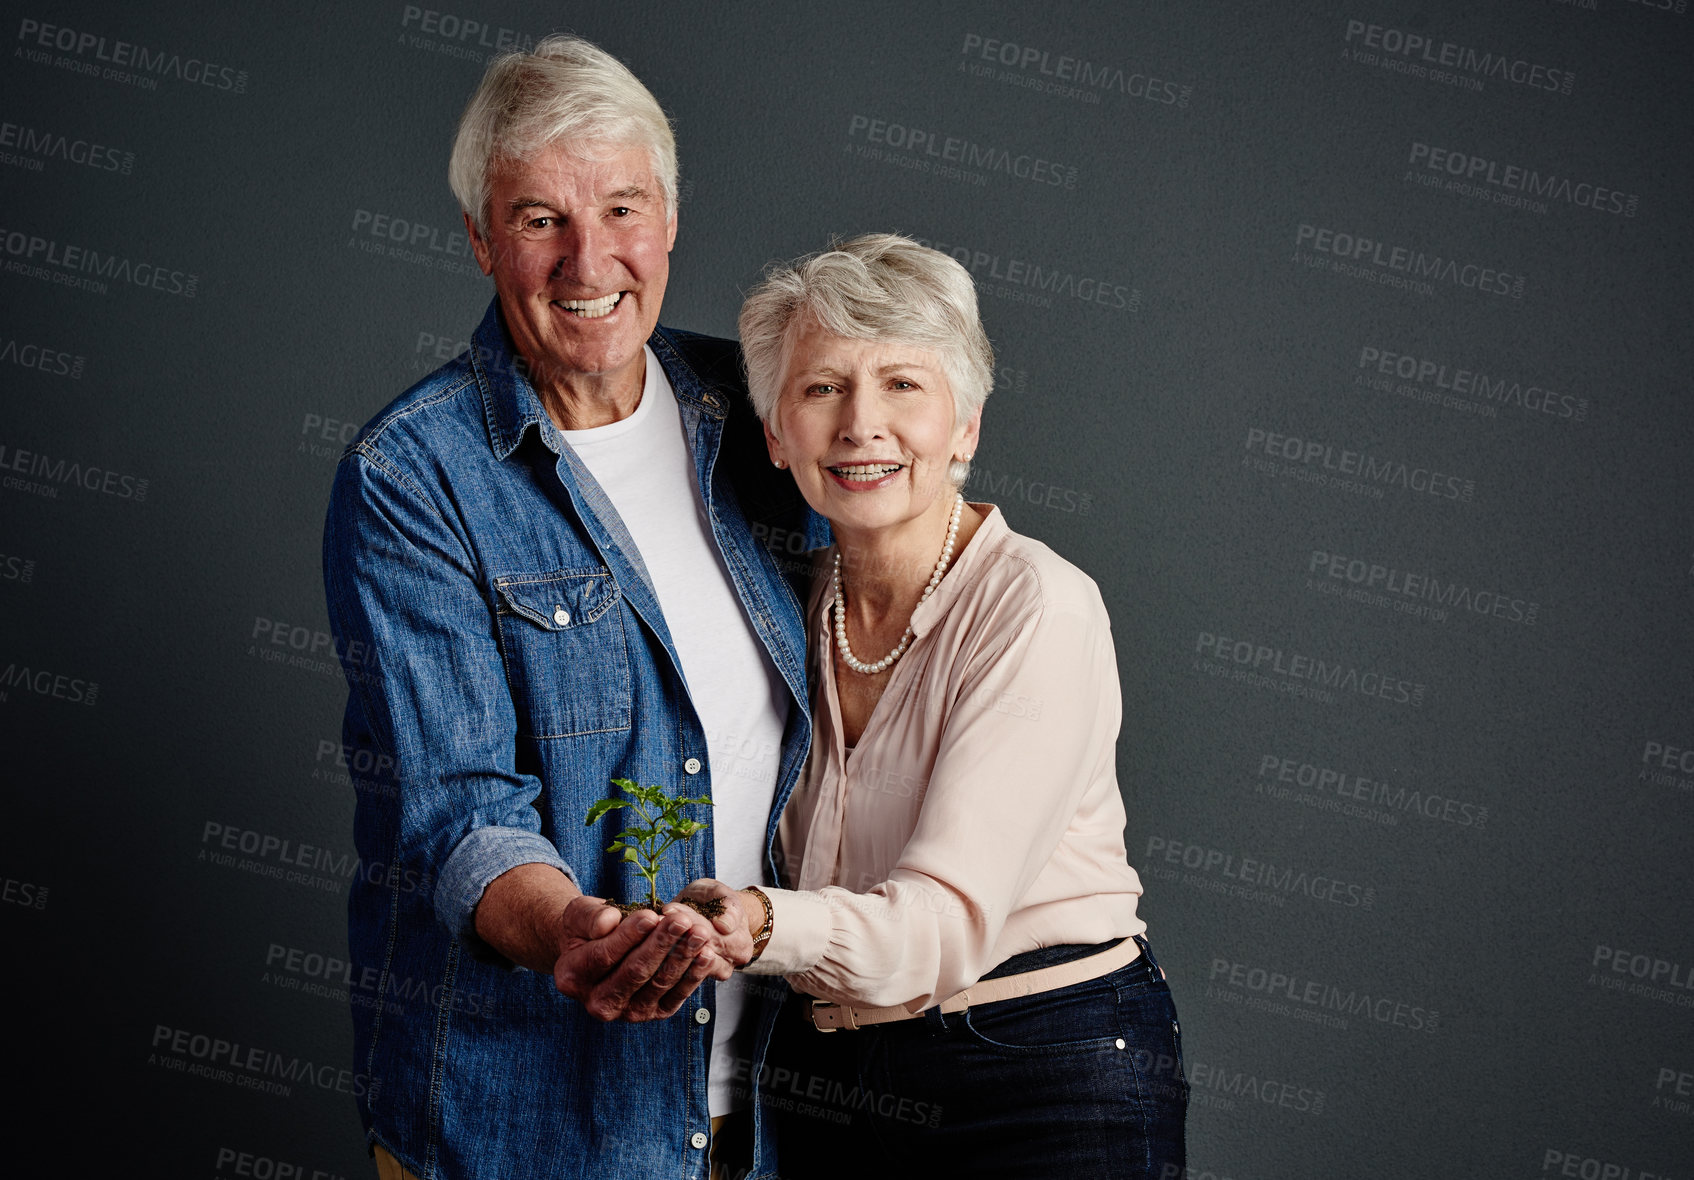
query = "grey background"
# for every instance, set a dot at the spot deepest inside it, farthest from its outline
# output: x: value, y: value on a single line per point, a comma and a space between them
x: 1117, y: 434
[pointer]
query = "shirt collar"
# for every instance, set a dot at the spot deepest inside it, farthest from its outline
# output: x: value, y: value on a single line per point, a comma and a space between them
x: 967, y: 565
x: 511, y: 405
x: 509, y: 402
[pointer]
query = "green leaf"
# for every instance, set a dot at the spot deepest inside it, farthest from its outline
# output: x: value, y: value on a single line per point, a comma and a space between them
x: 667, y: 823
x: 599, y: 809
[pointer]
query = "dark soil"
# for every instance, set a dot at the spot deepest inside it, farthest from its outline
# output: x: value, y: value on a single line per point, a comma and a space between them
x: 709, y: 908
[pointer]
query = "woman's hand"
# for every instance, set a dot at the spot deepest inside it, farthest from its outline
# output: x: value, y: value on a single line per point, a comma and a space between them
x: 742, y: 915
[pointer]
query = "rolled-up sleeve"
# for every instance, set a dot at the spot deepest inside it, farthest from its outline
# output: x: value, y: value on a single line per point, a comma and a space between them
x: 1002, y: 794
x: 417, y: 640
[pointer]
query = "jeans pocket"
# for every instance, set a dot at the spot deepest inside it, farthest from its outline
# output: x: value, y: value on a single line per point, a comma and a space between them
x: 1081, y: 1018
x: 1149, y: 1024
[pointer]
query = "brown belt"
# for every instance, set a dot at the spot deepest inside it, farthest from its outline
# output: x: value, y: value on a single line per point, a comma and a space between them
x: 829, y: 1017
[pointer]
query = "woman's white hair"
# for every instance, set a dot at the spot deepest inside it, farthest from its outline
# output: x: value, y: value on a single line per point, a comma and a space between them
x: 872, y: 287
x: 566, y: 90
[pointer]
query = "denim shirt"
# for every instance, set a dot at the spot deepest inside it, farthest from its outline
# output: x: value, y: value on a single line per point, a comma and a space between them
x: 506, y: 655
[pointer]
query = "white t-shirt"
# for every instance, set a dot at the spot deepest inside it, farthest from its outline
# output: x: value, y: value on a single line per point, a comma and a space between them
x: 644, y: 465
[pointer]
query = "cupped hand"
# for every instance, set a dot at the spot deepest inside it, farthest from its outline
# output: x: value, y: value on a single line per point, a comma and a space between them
x: 636, y: 967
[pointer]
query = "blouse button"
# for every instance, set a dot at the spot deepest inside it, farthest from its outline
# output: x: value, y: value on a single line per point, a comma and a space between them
x: 692, y: 766
x: 699, y: 1140
x: 561, y: 616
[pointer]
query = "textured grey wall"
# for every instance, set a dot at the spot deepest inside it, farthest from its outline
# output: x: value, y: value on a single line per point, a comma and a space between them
x: 1345, y: 345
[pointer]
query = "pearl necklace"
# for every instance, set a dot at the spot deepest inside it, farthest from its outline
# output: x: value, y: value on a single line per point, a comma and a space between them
x: 934, y: 580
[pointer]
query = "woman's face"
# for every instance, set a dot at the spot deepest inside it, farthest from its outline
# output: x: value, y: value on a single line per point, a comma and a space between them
x: 867, y: 429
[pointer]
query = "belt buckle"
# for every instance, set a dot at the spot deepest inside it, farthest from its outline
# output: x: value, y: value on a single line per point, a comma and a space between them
x: 816, y: 1004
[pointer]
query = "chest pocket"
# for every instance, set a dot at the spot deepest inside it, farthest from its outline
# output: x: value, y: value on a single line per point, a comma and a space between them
x: 565, y: 652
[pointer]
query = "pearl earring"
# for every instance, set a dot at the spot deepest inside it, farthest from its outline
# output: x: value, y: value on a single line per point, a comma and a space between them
x: 779, y: 464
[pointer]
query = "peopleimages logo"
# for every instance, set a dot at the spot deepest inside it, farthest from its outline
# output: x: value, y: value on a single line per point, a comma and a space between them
x: 1661, y: 978
x: 249, y: 1066
x: 417, y: 242
x: 1371, y: 468
x: 52, y: 361
x: 1303, y: 672
x: 1249, y: 874
x: 42, y: 682
x: 1422, y: 56
x: 1068, y: 77
x: 1220, y: 1086
x: 937, y: 149
x: 1555, y: 1162
x: 1413, y: 591
x: 1316, y: 998
x: 1470, y: 174
x: 1347, y: 792
x: 16, y: 569
x: 137, y: 61
x: 464, y: 30
x: 1351, y: 254
x: 252, y: 1166
x: 331, y: 977
x: 1668, y: 764
x: 88, y: 268
x: 1379, y: 367
x: 38, y: 145
x: 64, y: 473
x: 1034, y: 281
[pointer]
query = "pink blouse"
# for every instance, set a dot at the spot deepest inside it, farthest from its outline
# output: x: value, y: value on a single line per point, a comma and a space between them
x: 978, y: 816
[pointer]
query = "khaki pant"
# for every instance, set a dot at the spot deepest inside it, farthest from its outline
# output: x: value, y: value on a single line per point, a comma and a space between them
x: 389, y: 1168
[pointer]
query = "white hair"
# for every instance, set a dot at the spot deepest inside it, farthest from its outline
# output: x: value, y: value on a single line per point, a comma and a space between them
x: 872, y: 287
x: 567, y: 91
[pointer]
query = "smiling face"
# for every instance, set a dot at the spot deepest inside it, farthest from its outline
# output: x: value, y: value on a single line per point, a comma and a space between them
x: 579, y: 250
x: 868, y: 429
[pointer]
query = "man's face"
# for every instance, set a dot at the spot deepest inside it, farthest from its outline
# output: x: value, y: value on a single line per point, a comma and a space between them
x: 579, y: 250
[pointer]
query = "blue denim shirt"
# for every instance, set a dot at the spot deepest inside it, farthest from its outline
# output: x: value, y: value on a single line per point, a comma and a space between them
x: 506, y: 654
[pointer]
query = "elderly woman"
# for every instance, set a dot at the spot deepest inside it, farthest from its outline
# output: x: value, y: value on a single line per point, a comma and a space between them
x: 972, y: 992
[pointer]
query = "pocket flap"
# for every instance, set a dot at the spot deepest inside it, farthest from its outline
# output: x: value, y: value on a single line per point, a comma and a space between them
x: 560, y: 600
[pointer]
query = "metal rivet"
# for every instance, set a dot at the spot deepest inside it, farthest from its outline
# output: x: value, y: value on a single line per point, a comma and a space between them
x: 701, y: 1015
x: 561, y: 616
x: 1120, y: 1042
x: 692, y: 766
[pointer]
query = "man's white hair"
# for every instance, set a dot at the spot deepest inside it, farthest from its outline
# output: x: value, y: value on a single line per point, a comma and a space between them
x: 565, y: 91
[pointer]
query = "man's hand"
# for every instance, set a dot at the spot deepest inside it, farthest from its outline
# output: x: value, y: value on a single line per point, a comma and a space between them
x: 641, y: 968
x: 742, y: 915
x: 636, y: 968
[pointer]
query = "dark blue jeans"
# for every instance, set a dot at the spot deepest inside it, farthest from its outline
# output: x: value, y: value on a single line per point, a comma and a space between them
x: 1082, y: 1083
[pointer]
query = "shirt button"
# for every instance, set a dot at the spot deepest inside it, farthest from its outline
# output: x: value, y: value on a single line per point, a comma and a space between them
x: 692, y: 766
x: 699, y: 1139
x: 561, y: 616
x: 702, y: 1015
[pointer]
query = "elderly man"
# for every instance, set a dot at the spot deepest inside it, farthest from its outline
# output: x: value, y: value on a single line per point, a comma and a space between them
x: 552, y: 549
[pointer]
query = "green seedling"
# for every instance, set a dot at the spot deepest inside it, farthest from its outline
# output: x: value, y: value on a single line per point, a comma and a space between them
x: 645, y: 846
